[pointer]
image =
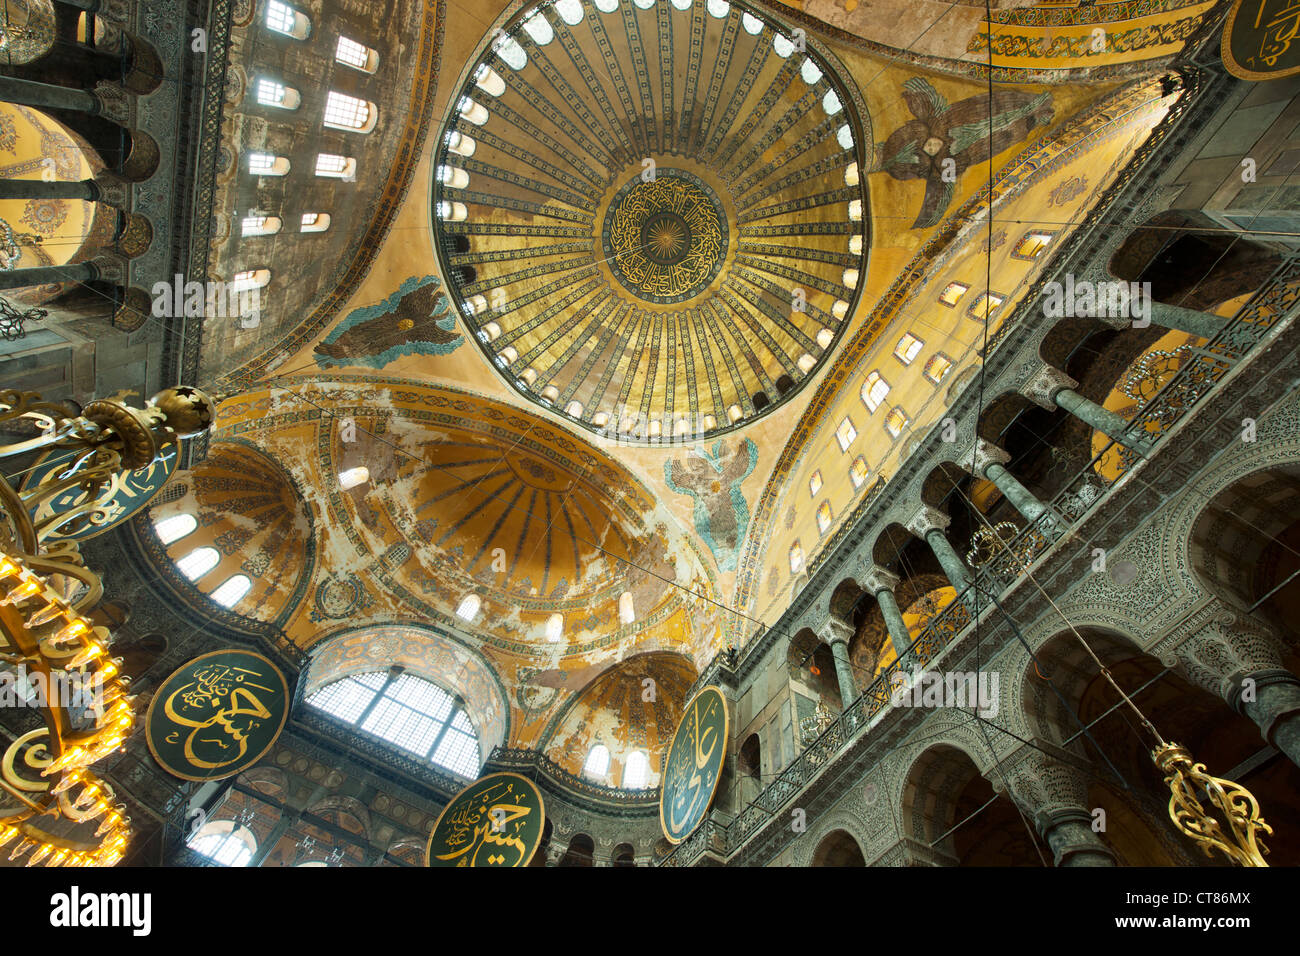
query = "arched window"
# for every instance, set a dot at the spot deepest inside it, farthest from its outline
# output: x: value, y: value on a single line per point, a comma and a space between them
x: 315, y: 222
x: 718, y: 8
x: 335, y: 167
x: 232, y: 590
x: 555, y: 627
x: 831, y: 103
x: 937, y: 367
x: 597, y: 765
x: 626, y: 613
x: 815, y: 483
x: 846, y: 433
x: 455, y: 212
x: 908, y: 348
x: 896, y: 421
x: 796, y: 558
x: 874, y: 390
x: 174, y: 528
x: 350, y: 113
x: 636, y: 771
x: 472, y: 111
x: 283, y: 18
x: 460, y: 144
x: 267, y: 164
x: 198, y: 562
x: 489, y: 80
x: 250, y: 279
x: 260, y: 225
x: 351, y: 477
x: 537, y: 27
x: 824, y: 516
x: 810, y: 72
x: 858, y: 472
x: 356, y: 55
x: 225, y: 843
x: 752, y: 24
x: 469, y: 606
x: 408, y: 712
x: 274, y: 93
x: 511, y: 53
x: 570, y: 11
x: 453, y: 176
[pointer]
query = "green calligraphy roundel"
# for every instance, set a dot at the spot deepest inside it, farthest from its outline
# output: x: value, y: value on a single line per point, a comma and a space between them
x: 694, y: 765
x: 1261, y: 39
x: 496, y: 821
x: 123, y: 494
x: 217, y: 715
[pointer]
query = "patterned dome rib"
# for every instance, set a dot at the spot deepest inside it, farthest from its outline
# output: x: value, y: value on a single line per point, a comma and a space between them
x: 652, y: 218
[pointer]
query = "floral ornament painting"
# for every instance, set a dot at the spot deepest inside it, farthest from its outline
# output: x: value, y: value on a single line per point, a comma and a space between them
x: 712, y: 477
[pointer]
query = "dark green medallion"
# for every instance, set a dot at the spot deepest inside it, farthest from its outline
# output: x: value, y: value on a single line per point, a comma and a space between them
x: 217, y: 715
x: 496, y: 821
x: 694, y: 764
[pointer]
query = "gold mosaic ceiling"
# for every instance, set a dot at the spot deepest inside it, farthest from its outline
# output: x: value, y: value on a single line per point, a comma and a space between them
x: 652, y: 219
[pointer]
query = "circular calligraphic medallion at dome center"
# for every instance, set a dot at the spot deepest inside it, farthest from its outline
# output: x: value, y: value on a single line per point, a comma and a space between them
x: 495, y: 822
x: 665, y: 238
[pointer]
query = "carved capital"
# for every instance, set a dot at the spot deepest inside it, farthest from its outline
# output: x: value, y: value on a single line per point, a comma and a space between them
x: 877, y: 579
x: 1046, y: 784
x: 110, y: 268
x: 1044, y: 384
x: 928, y: 519
x: 984, y: 454
x: 113, y: 101
x: 113, y: 191
x: 833, y: 629
x: 1222, y: 645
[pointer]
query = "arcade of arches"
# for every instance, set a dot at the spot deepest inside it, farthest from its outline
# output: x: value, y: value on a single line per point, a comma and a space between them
x: 570, y: 357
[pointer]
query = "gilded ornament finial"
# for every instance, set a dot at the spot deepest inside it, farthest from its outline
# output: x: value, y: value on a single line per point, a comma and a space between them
x: 1235, y: 804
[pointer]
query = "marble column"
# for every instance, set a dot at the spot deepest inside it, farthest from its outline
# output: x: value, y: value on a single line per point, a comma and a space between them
x: 1237, y: 656
x: 881, y: 584
x: 836, y: 634
x: 929, y: 525
x: 1052, y: 388
x: 85, y: 189
x: 1192, y: 321
x: 1055, y: 793
x: 42, y: 275
x: 989, y: 461
x: 47, y: 96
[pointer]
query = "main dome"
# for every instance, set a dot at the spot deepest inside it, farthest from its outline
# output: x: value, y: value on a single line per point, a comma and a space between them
x: 651, y: 214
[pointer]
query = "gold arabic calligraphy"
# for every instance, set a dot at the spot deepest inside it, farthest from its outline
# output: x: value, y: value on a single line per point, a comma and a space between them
x: 694, y: 765
x: 693, y: 217
x: 493, y: 821
x: 1278, y: 28
x: 223, y: 706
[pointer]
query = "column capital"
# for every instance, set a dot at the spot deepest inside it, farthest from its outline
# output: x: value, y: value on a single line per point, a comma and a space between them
x: 877, y: 579
x: 112, y: 189
x: 1222, y: 645
x: 1045, y: 783
x: 113, y: 102
x: 833, y: 629
x: 928, y: 519
x: 985, y: 453
x: 1041, y: 389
